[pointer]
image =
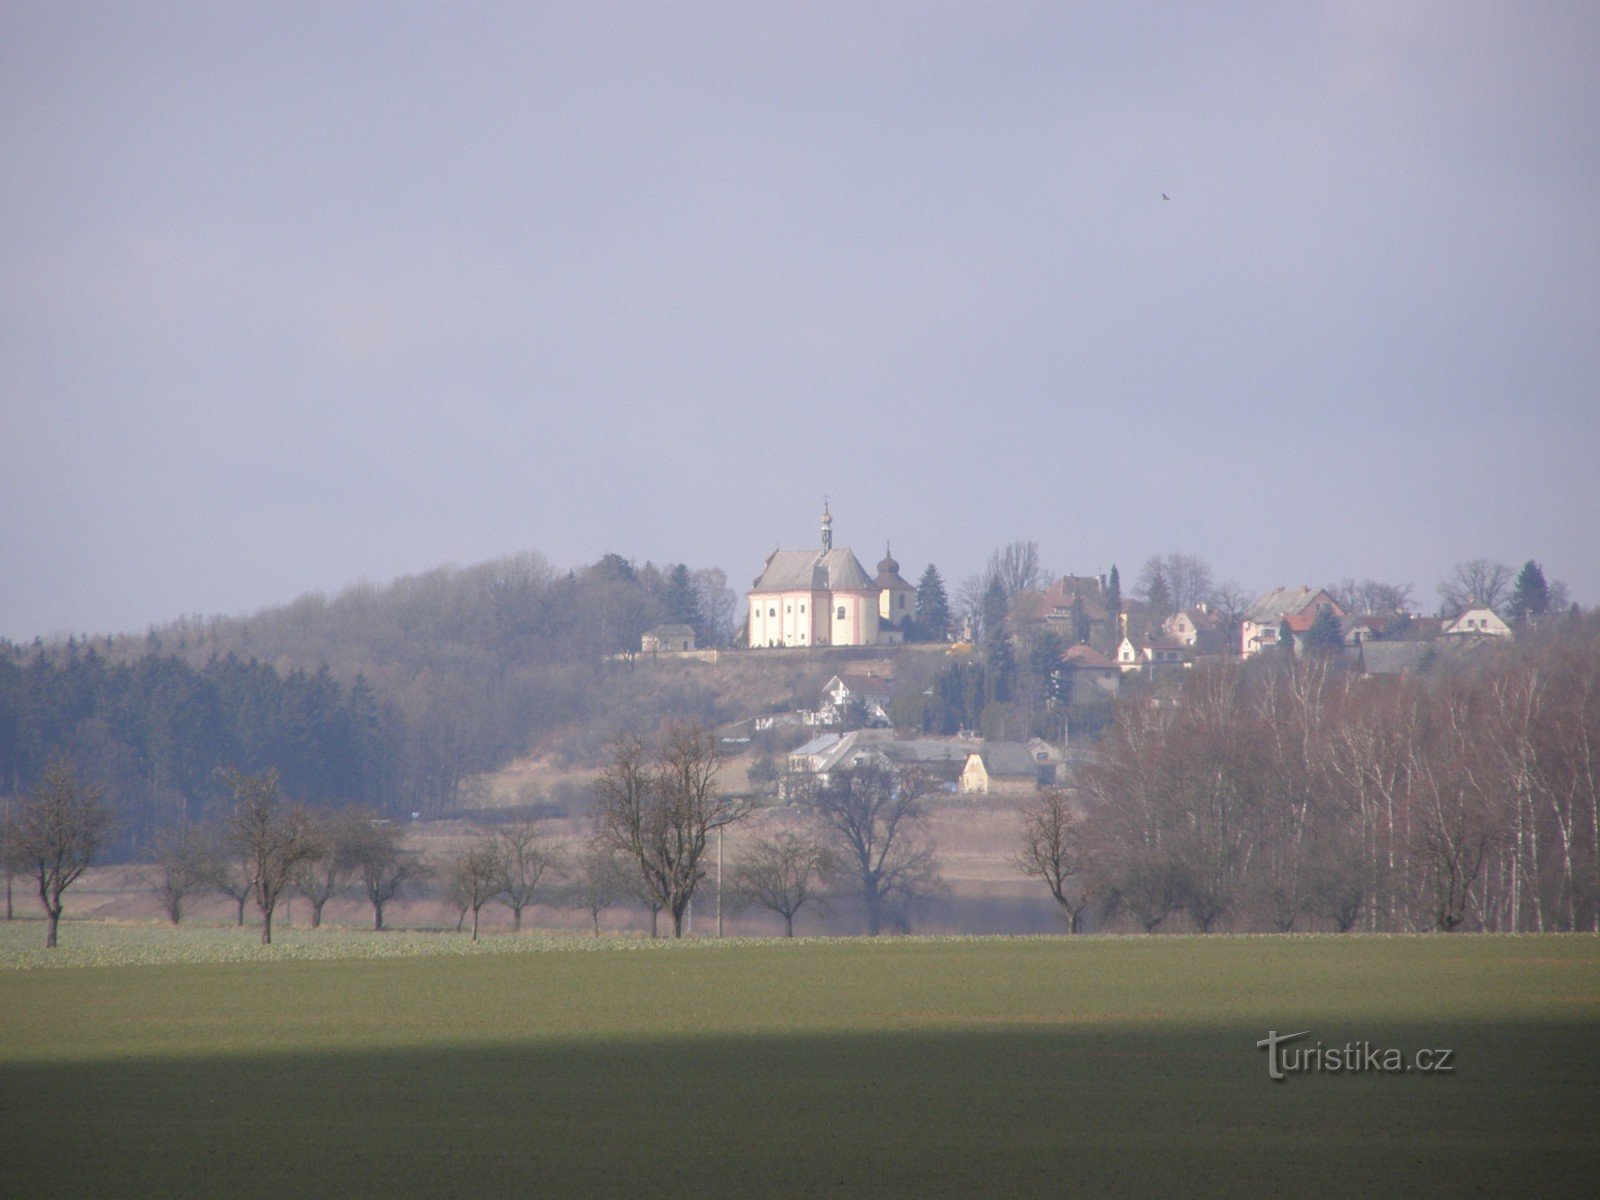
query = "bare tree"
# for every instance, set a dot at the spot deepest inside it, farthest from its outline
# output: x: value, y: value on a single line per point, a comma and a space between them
x: 526, y: 857
x: 224, y: 869
x: 1150, y: 888
x: 1016, y: 567
x: 54, y: 836
x: 717, y: 602
x: 780, y: 873
x: 385, y: 869
x: 1231, y: 602
x: 595, y: 881
x: 969, y: 606
x: 1175, y: 582
x: 658, y: 813
x: 875, y: 818
x: 333, y: 873
x: 182, y: 867
x: 1337, y: 885
x: 476, y: 874
x: 1477, y: 581
x: 1372, y: 597
x: 8, y: 862
x: 1053, y: 850
x: 272, y: 839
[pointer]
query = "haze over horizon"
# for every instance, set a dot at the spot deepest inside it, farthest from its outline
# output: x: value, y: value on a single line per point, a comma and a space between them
x: 299, y: 295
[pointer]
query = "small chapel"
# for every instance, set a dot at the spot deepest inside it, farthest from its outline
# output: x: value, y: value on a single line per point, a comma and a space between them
x: 826, y: 598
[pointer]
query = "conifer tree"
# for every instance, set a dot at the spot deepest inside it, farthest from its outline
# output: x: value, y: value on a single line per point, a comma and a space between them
x: 681, y: 601
x: 1325, y: 635
x: 1530, y: 595
x: 933, y: 606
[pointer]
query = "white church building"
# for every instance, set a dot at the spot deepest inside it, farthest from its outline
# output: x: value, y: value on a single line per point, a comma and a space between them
x: 819, y: 598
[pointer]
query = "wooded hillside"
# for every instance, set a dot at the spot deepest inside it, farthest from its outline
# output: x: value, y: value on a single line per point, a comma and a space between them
x: 387, y: 695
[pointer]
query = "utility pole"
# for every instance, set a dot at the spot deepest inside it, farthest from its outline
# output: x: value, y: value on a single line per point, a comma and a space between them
x: 719, y: 881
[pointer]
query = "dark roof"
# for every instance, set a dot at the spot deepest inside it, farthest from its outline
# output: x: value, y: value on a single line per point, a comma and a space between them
x: 1203, y: 618
x: 1008, y: 758
x: 1088, y: 657
x: 869, y: 685
x: 1282, y: 601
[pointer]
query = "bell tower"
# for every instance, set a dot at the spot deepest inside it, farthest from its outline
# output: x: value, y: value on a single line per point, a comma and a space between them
x: 827, y: 526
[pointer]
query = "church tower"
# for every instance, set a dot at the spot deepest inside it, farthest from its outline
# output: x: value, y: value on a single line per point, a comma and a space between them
x: 827, y: 527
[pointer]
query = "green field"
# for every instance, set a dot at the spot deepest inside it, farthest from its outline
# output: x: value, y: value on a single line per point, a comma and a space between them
x: 939, y: 1067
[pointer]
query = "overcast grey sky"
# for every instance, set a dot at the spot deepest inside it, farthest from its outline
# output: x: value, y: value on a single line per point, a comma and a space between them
x: 298, y: 295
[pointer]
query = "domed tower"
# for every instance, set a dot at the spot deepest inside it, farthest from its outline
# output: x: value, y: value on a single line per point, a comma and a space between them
x: 827, y: 527
x: 897, y: 599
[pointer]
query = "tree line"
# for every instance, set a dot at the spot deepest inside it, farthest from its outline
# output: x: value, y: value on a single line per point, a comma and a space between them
x: 861, y: 833
x: 391, y: 697
x: 152, y: 735
x: 1289, y: 794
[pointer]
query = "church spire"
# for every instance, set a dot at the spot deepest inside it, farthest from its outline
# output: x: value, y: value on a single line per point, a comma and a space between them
x: 827, y: 526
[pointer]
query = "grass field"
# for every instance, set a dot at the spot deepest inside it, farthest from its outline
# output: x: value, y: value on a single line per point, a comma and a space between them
x: 919, y: 1067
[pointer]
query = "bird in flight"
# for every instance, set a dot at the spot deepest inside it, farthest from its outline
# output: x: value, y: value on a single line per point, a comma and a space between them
x: 1164, y: 196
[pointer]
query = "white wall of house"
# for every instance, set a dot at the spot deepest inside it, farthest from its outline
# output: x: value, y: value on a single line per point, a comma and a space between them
x: 1257, y: 636
x: 1483, y: 621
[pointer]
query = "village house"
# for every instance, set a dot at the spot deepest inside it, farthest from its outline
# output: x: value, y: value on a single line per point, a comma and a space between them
x: 939, y: 760
x: 1262, y: 627
x: 1201, y: 628
x: 1074, y: 607
x: 1004, y: 769
x: 666, y: 638
x: 1088, y: 672
x: 1478, y: 621
x: 867, y: 696
x: 1150, y: 655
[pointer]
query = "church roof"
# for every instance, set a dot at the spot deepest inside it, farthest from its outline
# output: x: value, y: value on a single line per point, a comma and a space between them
x: 814, y: 571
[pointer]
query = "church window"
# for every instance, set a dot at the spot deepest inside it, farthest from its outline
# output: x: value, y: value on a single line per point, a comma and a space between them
x: 772, y: 612
x: 841, y: 612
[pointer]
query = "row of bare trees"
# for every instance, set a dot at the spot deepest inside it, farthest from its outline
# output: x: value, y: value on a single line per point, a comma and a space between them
x: 265, y: 849
x: 860, y: 831
x: 1298, y: 796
